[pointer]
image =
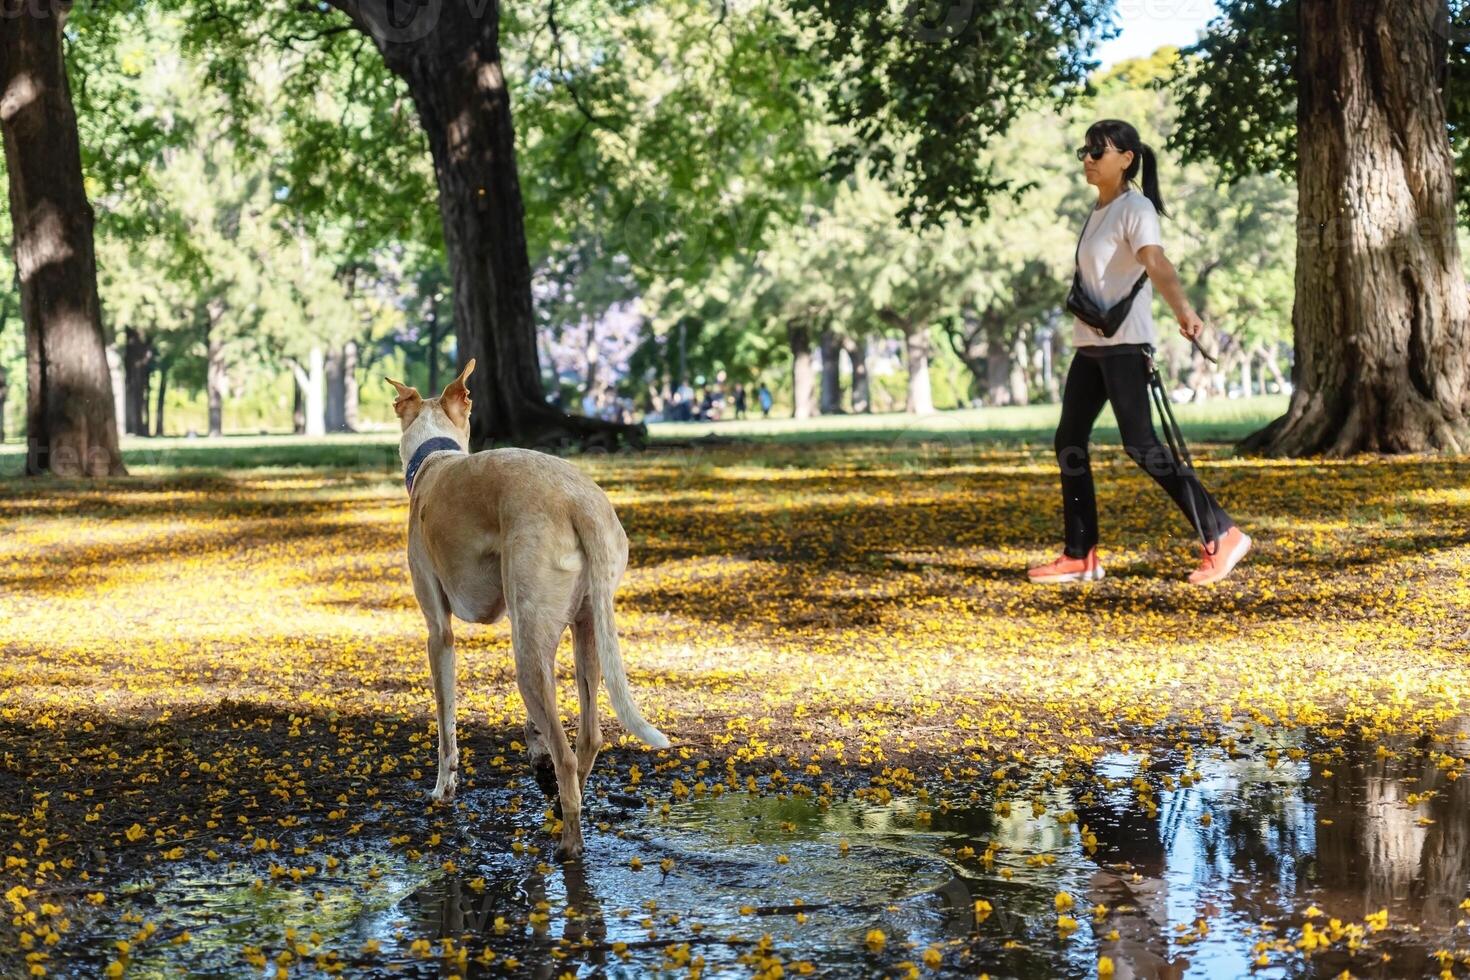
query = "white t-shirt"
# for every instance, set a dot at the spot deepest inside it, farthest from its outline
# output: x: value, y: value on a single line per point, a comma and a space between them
x: 1108, y: 260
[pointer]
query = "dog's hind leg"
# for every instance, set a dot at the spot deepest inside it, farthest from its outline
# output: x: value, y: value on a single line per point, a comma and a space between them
x: 435, y: 606
x: 589, y: 676
x: 534, y: 635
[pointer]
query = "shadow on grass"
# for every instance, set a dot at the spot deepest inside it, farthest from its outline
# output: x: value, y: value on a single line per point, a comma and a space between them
x: 954, y: 523
x: 371, y: 454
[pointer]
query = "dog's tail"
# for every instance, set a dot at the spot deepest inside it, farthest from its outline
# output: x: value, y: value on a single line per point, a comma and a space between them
x: 601, y: 575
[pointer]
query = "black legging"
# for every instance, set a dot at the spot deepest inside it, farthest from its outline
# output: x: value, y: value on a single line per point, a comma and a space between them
x: 1123, y: 380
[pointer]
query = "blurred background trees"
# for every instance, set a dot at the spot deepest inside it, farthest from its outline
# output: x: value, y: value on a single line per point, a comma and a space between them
x: 711, y: 196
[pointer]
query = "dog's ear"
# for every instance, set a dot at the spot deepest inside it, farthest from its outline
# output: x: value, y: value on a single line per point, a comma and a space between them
x: 456, y: 397
x: 408, y: 403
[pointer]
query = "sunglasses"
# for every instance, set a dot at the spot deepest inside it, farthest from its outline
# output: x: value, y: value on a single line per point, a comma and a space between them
x: 1096, y: 153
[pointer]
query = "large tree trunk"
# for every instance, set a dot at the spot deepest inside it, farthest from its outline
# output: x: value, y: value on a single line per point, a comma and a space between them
x: 801, y: 369
x: 448, y: 54
x: 214, y: 365
x: 831, y: 347
x: 137, y: 363
x: 857, y: 358
x: 4, y: 391
x: 70, y: 419
x: 1381, y: 320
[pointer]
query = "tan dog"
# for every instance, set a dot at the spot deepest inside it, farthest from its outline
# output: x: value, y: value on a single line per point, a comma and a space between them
x: 525, y: 533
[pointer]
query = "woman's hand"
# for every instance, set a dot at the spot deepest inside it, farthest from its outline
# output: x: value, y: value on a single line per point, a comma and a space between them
x: 1190, y: 325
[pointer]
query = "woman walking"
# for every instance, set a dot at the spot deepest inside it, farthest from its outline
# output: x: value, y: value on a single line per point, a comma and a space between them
x: 1120, y: 242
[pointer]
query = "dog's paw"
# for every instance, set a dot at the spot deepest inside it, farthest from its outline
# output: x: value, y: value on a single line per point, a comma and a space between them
x: 444, y: 790
x: 566, y: 851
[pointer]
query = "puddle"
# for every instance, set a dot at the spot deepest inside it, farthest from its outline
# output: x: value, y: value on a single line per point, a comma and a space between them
x: 1210, y: 861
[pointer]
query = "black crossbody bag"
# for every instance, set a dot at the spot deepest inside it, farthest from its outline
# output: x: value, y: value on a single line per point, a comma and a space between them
x: 1104, y: 321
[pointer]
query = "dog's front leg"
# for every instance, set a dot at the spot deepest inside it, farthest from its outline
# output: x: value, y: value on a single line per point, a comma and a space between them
x: 441, y: 669
x: 435, y: 606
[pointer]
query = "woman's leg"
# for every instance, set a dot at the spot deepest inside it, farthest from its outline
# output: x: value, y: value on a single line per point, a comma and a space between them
x: 1126, y: 378
x: 1083, y: 397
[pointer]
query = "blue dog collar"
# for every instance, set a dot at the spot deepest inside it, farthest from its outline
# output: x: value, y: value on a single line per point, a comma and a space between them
x: 438, y: 444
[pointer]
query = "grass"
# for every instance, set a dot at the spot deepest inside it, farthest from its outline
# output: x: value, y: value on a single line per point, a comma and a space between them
x: 1218, y: 421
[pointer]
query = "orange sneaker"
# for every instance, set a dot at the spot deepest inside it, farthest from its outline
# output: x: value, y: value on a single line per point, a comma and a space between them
x: 1216, y: 563
x: 1068, y: 569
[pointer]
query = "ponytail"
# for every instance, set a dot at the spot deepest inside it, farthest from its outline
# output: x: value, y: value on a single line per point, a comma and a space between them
x: 1150, y: 171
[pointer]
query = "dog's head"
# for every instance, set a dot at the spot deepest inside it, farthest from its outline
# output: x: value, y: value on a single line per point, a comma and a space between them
x: 451, y: 410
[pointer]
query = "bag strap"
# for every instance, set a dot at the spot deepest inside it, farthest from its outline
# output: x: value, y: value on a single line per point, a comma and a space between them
x: 1077, y: 252
x: 1077, y: 256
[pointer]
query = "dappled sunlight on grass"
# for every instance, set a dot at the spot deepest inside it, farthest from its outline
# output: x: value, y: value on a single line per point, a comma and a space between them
x: 846, y: 620
x: 812, y: 571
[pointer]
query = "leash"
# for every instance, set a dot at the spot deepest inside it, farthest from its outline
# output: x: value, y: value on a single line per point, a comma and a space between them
x: 1175, y: 439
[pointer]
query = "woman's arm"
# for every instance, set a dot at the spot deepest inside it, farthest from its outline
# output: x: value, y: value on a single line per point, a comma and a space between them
x: 1162, y: 274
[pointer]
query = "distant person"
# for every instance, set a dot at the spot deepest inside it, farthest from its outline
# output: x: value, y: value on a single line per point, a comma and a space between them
x: 764, y: 397
x: 1119, y: 251
x: 740, y: 401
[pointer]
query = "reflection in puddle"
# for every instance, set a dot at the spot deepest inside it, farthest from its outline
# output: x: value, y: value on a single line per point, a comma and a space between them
x: 1203, y: 864
x: 1218, y: 860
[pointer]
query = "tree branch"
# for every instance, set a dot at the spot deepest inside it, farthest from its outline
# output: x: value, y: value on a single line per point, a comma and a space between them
x: 362, y: 39
x: 315, y: 36
x: 954, y: 339
x: 566, y: 78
